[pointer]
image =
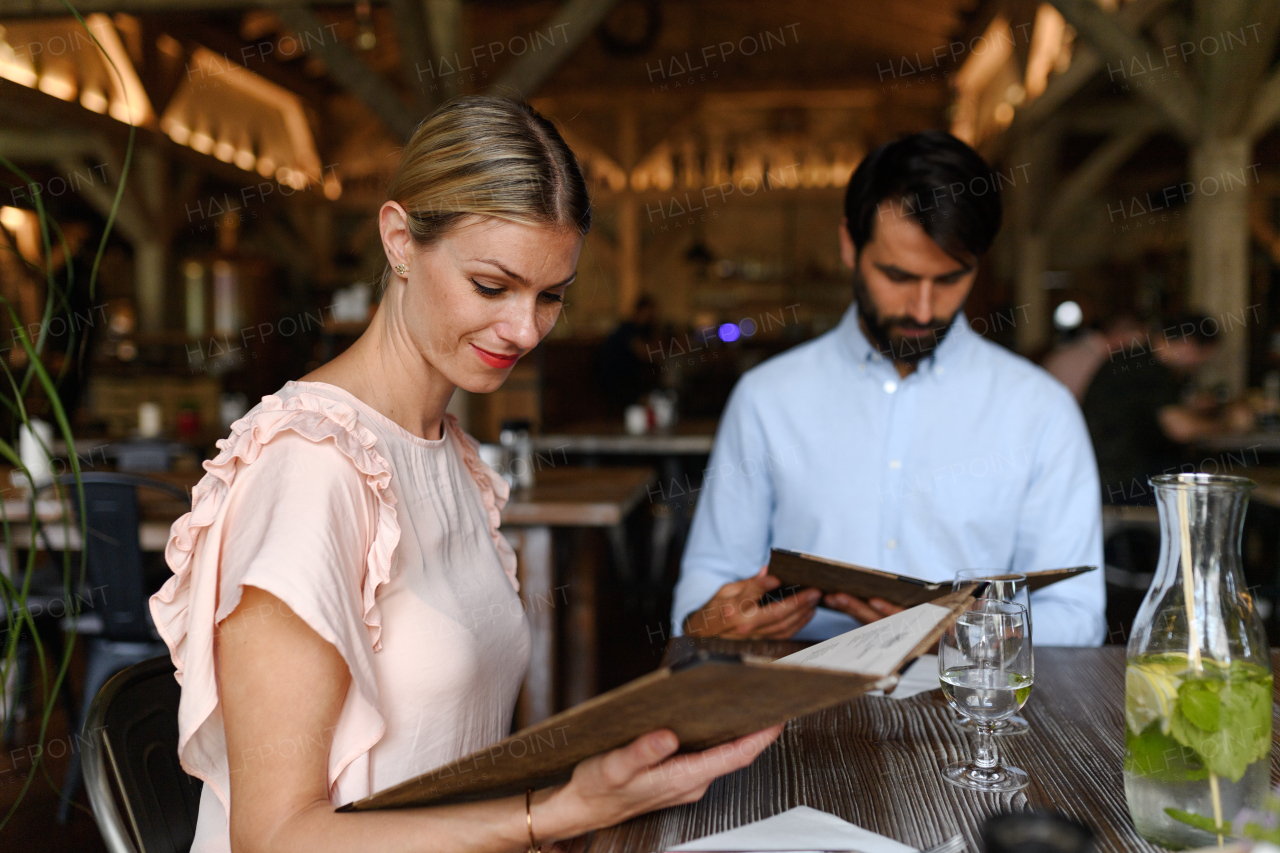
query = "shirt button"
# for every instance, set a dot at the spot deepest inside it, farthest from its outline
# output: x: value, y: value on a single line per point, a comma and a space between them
x: 940, y: 370
x: 890, y: 386
x: 895, y: 464
x: 891, y: 544
x: 862, y: 368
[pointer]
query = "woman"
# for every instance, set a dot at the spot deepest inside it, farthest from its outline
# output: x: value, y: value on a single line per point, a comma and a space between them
x: 330, y: 613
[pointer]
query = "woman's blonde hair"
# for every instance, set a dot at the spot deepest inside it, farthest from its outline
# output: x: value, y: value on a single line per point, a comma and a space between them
x: 488, y: 157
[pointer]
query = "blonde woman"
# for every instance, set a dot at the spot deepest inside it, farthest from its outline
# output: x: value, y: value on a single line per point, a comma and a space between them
x: 327, y: 582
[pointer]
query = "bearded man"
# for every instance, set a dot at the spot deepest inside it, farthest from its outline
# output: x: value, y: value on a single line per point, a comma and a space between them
x: 902, y: 439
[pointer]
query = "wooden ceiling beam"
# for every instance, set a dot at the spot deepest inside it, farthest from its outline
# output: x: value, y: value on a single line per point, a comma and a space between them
x: 1123, y: 45
x: 1265, y: 109
x: 34, y: 8
x: 1084, y: 65
x: 351, y: 73
x: 1094, y: 172
x: 29, y: 110
x: 255, y: 56
x: 574, y: 21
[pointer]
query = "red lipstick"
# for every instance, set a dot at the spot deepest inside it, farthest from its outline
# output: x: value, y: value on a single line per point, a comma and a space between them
x: 494, y: 359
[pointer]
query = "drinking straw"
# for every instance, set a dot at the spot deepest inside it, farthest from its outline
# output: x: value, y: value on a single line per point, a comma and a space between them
x: 1193, y: 647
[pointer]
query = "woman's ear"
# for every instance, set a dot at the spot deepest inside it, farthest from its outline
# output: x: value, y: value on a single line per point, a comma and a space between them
x: 393, y: 225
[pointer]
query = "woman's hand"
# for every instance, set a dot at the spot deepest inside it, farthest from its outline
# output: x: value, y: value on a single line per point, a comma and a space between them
x: 643, y: 776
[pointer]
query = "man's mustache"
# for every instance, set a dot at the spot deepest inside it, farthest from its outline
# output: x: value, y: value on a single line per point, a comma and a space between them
x: 906, y: 323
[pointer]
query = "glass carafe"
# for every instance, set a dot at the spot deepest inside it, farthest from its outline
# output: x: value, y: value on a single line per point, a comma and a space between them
x: 1198, y: 675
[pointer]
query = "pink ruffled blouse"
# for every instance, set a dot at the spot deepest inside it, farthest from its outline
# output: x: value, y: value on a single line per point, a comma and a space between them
x: 387, y: 545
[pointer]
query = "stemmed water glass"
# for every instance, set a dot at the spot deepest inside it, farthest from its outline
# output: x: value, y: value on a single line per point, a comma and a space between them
x: 984, y: 663
x: 1001, y: 586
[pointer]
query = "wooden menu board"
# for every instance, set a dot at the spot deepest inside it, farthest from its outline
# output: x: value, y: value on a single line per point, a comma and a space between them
x: 706, y: 700
x: 796, y: 569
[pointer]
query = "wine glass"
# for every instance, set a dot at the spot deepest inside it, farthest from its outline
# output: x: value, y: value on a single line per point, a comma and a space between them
x: 1002, y: 586
x: 984, y: 663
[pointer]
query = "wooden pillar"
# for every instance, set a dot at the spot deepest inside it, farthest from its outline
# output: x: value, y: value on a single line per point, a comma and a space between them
x: 628, y: 215
x: 1032, y: 263
x: 1032, y: 159
x: 1218, y: 249
x: 151, y: 246
x: 149, y: 265
x: 444, y: 28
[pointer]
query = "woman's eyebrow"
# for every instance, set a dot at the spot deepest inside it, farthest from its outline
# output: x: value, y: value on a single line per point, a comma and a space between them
x: 516, y: 276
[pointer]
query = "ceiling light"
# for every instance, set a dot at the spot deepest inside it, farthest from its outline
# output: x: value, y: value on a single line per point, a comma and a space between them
x: 93, y: 99
x: 179, y: 132
x: 58, y: 86
x: 202, y: 142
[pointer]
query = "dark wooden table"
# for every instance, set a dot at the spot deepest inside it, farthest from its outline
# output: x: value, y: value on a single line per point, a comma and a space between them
x: 875, y: 762
x: 158, y: 510
x: 609, y: 438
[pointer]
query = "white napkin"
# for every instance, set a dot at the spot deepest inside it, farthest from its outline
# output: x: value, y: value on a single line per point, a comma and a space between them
x: 800, y: 829
x: 920, y: 677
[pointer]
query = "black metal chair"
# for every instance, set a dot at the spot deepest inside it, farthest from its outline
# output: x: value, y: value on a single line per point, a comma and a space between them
x: 131, y: 752
x: 114, y: 565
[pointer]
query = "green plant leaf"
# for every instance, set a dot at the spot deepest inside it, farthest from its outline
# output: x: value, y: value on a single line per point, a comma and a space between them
x: 1226, y: 722
x: 1156, y: 755
x: 1199, y: 821
x: 1200, y: 703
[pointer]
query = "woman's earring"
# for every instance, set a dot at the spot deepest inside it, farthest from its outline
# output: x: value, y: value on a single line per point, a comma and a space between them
x: 401, y: 268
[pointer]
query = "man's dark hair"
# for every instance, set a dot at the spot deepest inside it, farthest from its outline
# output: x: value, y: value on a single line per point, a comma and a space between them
x: 934, y: 178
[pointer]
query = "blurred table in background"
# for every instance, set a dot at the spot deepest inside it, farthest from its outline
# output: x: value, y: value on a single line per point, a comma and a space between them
x: 565, y: 497
x: 1268, y: 479
x: 159, y: 511
x: 1251, y: 443
x: 669, y: 449
x: 606, y: 438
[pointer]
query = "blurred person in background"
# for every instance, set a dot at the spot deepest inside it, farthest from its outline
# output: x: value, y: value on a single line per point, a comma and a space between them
x: 1075, y: 362
x: 1140, y: 423
x: 625, y: 366
x: 901, y: 439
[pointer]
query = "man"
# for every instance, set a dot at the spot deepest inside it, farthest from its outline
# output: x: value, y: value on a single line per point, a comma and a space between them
x: 1077, y: 361
x: 620, y: 365
x: 901, y: 439
x: 1139, y: 425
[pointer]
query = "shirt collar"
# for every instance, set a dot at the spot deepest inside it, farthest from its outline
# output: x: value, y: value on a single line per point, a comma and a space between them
x: 937, y: 364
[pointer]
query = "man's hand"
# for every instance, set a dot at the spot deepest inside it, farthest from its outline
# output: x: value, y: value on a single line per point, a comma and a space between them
x: 871, y: 610
x: 735, y: 611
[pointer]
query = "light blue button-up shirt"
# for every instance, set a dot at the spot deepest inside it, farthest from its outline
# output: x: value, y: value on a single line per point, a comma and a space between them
x: 978, y: 459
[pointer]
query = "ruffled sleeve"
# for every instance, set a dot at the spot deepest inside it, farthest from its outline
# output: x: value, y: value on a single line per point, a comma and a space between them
x: 494, y: 492
x: 296, y: 503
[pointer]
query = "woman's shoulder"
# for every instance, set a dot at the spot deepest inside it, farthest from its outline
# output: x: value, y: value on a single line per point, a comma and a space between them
x: 330, y: 427
x: 293, y: 448
x: 294, y: 436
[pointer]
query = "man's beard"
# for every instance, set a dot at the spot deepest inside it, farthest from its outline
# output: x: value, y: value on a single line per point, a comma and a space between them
x: 883, y: 331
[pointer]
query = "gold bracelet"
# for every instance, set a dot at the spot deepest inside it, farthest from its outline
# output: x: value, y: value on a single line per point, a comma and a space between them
x: 528, y: 816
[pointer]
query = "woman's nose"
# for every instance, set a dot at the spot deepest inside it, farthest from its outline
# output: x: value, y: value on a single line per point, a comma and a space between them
x: 522, y: 326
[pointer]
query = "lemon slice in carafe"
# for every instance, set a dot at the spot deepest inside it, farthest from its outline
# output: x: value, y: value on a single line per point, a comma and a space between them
x: 1149, y: 695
